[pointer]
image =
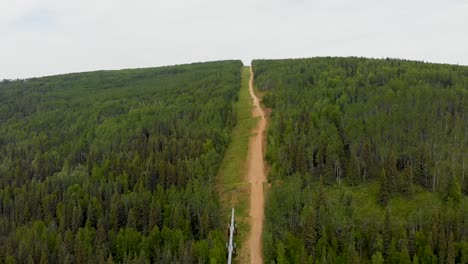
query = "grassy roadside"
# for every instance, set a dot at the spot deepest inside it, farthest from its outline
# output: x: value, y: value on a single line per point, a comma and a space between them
x: 233, y: 187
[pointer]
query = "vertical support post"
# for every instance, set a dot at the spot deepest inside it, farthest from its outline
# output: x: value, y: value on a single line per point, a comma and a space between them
x: 231, y: 238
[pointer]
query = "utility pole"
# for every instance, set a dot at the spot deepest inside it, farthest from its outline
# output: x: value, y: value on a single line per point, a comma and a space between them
x: 231, y: 246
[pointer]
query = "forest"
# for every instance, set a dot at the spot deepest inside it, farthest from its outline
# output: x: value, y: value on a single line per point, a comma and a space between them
x: 368, y: 161
x: 115, y: 166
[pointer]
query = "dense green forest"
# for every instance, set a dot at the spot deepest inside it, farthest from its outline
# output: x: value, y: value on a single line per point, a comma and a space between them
x: 115, y: 166
x: 368, y: 161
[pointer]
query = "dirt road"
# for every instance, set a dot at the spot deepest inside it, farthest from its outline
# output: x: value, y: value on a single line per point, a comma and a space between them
x: 256, y: 177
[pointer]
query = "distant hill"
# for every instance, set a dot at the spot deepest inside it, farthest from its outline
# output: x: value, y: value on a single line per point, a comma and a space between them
x: 115, y: 165
x: 368, y: 161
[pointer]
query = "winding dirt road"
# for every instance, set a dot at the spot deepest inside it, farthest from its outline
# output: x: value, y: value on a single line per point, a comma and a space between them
x: 256, y: 177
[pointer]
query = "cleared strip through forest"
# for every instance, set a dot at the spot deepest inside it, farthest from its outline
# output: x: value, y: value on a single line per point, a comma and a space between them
x: 232, y: 181
x: 256, y: 177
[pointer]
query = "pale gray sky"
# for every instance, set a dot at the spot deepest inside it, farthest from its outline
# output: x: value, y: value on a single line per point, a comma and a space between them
x: 45, y: 37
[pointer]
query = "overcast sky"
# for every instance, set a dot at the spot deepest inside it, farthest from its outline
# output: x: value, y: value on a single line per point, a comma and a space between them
x: 45, y: 37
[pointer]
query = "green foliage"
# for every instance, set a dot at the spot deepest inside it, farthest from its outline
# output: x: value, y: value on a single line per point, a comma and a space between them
x: 454, y: 195
x: 377, y: 258
x: 350, y: 137
x: 115, y: 166
x: 233, y: 188
x: 385, y: 188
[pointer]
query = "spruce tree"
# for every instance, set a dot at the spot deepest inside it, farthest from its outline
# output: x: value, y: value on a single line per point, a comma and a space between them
x: 131, y: 219
x: 391, y: 171
x: 385, y: 188
x: 407, y: 180
x: 450, y: 250
x: 454, y: 195
x: 387, y: 233
x: 310, y: 232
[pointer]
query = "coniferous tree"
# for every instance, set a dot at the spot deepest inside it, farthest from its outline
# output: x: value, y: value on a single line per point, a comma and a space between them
x: 377, y: 258
x: 310, y: 232
x: 385, y: 190
x: 454, y: 194
x: 407, y: 182
x: 464, y: 252
x: 450, y: 250
x: 391, y: 171
x: 387, y: 233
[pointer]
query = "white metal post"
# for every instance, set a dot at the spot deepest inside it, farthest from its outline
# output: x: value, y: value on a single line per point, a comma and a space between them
x: 231, y: 238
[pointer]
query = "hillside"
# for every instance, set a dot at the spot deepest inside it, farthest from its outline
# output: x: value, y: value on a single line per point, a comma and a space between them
x: 368, y: 161
x: 115, y: 165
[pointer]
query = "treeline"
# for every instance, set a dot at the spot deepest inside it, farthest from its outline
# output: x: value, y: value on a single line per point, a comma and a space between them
x: 115, y: 166
x: 368, y: 161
